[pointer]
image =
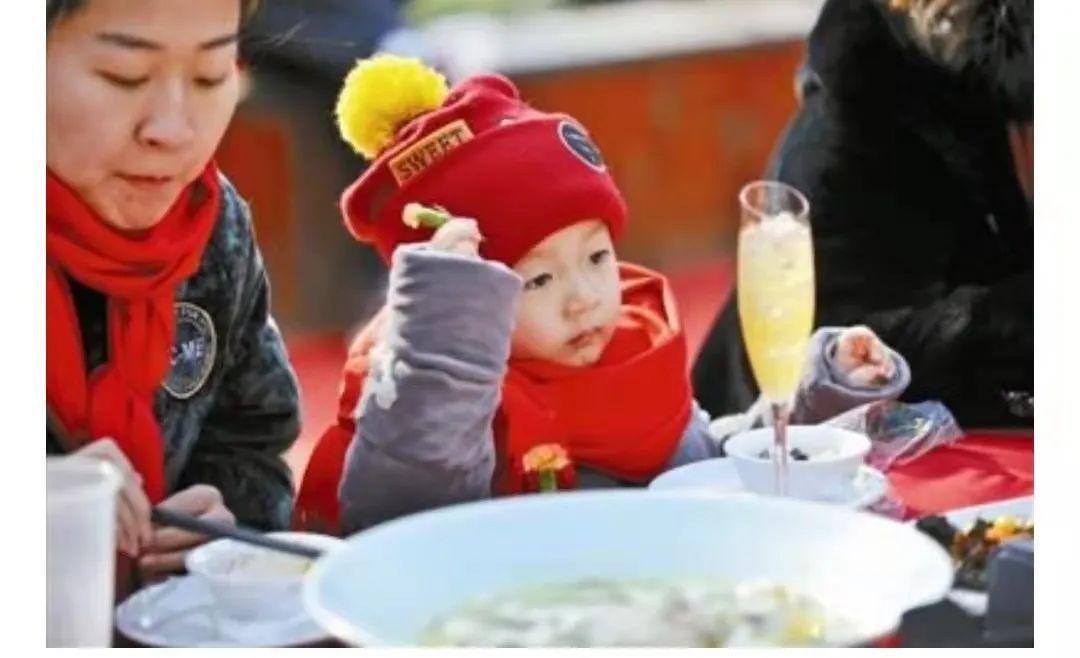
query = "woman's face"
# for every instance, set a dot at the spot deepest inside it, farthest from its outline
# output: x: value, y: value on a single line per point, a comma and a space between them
x: 139, y: 93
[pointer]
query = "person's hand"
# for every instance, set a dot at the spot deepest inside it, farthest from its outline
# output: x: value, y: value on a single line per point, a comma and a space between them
x: 458, y: 236
x: 133, y: 527
x: 862, y: 357
x: 168, y: 546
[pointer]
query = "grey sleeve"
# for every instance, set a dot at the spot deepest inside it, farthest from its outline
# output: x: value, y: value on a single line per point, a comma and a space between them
x: 823, y: 393
x: 698, y: 441
x: 424, y: 436
x: 255, y: 416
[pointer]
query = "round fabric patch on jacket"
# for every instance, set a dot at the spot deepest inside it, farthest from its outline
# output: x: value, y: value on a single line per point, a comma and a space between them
x: 193, y: 352
x: 580, y: 145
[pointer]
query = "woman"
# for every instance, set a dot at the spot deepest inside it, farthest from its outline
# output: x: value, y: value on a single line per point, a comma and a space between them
x: 162, y: 357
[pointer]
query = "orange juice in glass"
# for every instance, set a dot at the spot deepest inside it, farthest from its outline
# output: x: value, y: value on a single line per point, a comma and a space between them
x: 776, y: 298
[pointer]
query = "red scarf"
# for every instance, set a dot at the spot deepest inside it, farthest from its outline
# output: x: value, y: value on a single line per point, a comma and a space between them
x: 623, y: 416
x: 138, y: 273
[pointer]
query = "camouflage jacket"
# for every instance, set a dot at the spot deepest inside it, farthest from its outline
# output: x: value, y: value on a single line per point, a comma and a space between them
x: 229, y: 407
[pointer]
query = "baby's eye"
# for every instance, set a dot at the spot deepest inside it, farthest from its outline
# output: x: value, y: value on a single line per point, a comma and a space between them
x: 598, y: 257
x: 538, y: 282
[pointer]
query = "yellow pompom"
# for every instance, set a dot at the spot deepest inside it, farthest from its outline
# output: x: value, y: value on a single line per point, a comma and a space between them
x: 380, y: 95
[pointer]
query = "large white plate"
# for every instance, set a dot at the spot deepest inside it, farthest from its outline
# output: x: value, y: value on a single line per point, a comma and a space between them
x: 180, y: 612
x: 387, y: 584
x: 719, y: 476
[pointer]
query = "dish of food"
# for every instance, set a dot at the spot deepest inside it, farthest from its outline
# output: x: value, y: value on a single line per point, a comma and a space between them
x: 599, y: 612
x: 800, y: 455
x: 672, y: 541
x: 262, y: 563
x: 253, y: 583
x: 972, y: 545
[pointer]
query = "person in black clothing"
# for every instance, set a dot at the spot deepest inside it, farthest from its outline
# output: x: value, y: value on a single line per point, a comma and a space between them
x: 922, y: 222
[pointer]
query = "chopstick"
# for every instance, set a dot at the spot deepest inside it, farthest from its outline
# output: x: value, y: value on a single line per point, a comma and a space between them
x: 218, y: 530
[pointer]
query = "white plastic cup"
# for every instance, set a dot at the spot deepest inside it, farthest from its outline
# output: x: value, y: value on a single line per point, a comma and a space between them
x: 80, y: 551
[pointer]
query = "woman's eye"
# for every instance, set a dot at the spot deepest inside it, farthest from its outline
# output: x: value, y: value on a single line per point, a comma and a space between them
x: 124, y: 82
x: 538, y: 282
x: 208, y: 83
x: 598, y: 257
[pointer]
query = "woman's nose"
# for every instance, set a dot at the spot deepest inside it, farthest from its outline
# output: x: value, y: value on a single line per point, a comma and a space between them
x: 168, y: 123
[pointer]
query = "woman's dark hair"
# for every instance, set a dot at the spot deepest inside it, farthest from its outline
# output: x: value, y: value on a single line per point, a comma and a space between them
x: 56, y: 10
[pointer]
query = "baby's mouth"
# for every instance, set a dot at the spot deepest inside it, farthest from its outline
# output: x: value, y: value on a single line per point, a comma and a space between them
x: 585, y: 338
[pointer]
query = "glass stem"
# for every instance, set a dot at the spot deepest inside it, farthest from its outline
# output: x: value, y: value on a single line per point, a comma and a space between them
x: 780, y: 448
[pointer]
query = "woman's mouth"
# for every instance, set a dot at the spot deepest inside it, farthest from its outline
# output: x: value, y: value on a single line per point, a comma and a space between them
x: 146, y: 182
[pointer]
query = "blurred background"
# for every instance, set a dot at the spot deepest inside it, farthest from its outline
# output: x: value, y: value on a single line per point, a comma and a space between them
x: 686, y: 99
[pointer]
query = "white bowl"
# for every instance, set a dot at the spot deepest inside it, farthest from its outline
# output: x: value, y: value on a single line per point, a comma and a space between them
x: 249, y: 582
x: 834, y: 459
x: 388, y: 583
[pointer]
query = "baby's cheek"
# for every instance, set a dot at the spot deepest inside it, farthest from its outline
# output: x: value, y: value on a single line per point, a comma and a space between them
x: 527, y: 339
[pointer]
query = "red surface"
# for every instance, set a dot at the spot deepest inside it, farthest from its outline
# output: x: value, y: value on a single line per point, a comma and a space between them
x: 980, y: 468
x: 317, y: 360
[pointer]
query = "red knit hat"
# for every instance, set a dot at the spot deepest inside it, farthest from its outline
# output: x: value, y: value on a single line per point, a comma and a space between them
x: 483, y: 153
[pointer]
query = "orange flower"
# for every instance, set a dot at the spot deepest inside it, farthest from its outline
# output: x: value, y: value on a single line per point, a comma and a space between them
x: 545, y: 457
x: 547, y: 467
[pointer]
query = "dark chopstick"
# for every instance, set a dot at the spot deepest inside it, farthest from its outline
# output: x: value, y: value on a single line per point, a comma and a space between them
x: 214, y: 529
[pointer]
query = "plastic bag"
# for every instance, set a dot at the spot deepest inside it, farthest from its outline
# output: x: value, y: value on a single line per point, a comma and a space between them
x: 899, y: 432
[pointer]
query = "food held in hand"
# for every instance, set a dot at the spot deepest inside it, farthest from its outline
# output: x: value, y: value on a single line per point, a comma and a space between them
x: 419, y: 216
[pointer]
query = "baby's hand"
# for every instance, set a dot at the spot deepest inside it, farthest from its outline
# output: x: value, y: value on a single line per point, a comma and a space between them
x: 458, y: 236
x: 862, y: 357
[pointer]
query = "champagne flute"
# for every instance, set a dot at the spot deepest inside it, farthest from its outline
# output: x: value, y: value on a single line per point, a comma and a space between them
x: 776, y: 299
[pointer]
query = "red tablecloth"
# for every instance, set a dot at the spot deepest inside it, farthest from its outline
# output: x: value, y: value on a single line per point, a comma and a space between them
x: 980, y: 468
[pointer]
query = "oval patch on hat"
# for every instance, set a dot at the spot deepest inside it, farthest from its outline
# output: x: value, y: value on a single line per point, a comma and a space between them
x: 580, y: 145
x: 193, y: 351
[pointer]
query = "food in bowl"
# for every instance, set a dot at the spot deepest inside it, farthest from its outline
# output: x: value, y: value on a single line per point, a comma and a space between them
x: 256, y: 562
x: 972, y: 547
x: 831, y: 458
x: 252, y: 582
x: 799, y: 455
x: 658, y: 613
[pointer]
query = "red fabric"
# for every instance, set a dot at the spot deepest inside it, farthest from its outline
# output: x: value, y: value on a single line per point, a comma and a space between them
x: 138, y: 273
x: 623, y: 416
x: 517, y: 176
x: 317, y: 508
x: 980, y: 468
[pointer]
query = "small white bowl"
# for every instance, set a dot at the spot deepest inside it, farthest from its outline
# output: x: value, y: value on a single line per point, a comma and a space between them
x: 834, y: 459
x: 249, y: 582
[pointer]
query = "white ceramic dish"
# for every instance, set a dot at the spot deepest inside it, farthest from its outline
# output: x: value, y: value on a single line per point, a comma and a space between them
x: 181, y: 612
x: 387, y: 584
x: 835, y: 457
x: 253, y: 583
x: 719, y: 476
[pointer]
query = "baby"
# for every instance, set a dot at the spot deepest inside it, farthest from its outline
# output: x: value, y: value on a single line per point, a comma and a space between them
x: 515, y: 351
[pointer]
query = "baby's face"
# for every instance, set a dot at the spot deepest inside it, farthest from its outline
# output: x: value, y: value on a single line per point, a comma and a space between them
x: 572, y: 295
